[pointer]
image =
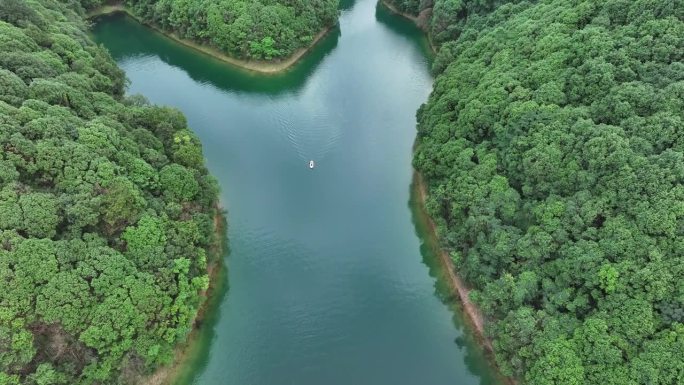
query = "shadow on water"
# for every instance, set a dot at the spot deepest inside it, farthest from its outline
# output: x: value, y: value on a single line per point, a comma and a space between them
x: 346, y: 5
x: 405, y: 28
x: 196, y: 357
x: 144, y: 41
x: 477, y: 360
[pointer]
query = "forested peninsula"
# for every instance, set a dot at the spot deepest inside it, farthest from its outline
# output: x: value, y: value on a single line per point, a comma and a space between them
x: 262, y: 30
x: 108, y: 215
x: 553, y: 154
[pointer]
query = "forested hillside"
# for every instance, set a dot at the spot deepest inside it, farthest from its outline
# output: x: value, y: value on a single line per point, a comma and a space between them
x: 246, y: 29
x: 106, y: 211
x: 448, y: 17
x: 553, y: 148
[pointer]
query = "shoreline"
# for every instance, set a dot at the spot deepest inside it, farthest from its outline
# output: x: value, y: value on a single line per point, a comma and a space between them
x: 261, y: 67
x: 473, y: 315
x: 459, y: 287
x: 168, y: 374
x: 415, y: 19
x: 395, y: 10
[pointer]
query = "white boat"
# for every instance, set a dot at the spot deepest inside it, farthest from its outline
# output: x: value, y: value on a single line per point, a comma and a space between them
x: 311, y: 164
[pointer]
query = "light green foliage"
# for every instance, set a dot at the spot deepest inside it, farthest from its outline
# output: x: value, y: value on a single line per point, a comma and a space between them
x: 46, y: 375
x: 608, y: 278
x: 264, y: 48
x: 88, y: 250
x: 40, y: 214
x: 65, y: 299
x: 8, y: 172
x: 178, y: 182
x: 35, y: 261
x: 262, y: 30
x: 187, y: 149
x: 6, y: 379
x: 553, y: 153
x: 145, y: 242
x: 11, y: 216
x: 558, y: 364
x: 17, y: 344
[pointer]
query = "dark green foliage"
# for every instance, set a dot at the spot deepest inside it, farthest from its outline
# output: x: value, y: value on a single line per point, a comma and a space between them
x: 12, y: 89
x: 262, y: 30
x: 17, y: 11
x: 449, y: 17
x: 106, y: 210
x: 552, y: 147
x: 411, y: 7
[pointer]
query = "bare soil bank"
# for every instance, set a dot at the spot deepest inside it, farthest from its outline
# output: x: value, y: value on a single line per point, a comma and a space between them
x: 459, y: 287
x: 474, y: 314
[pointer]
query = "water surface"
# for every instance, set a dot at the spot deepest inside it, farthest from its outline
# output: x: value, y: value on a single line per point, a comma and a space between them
x: 330, y: 282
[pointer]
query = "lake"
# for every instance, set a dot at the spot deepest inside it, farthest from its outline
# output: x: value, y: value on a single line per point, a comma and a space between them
x: 330, y: 277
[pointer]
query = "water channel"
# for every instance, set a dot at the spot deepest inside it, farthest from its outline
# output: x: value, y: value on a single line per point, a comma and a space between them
x: 330, y: 277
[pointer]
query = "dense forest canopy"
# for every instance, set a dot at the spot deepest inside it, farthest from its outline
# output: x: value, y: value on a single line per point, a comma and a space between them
x: 553, y: 148
x: 106, y: 210
x: 247, y: 29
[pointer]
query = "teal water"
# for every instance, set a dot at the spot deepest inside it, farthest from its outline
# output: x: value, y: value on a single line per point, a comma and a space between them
x: 330, y: 279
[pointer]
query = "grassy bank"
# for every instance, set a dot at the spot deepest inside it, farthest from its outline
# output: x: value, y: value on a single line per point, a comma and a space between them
x: 262, y: 67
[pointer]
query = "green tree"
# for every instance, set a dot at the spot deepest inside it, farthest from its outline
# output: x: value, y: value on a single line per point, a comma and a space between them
x: 178, y: 182
x: 12, y: 89
x: 40, y: 213
x: 17, y: 344
x: 90, y: 279
x: 558, y: 364
x: 145, y: 242
x: 122, y: 202
x: 553, y: 166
